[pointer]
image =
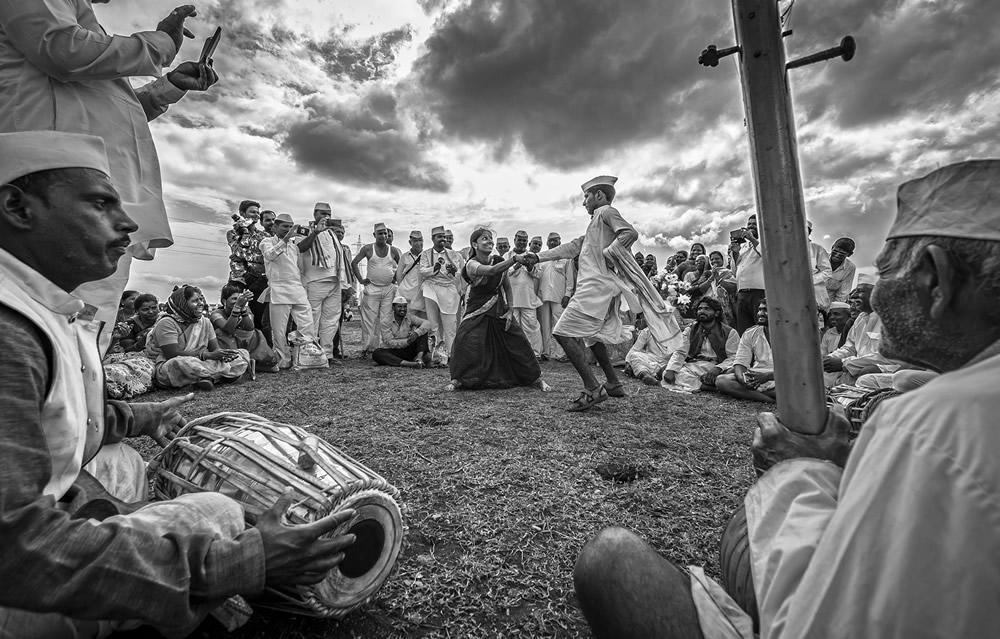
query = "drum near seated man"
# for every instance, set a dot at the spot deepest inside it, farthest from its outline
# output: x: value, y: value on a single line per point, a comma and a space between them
x: 72, y: 567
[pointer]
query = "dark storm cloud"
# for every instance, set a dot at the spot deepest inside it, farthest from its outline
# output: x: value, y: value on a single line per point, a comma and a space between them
x: 672, y: 186
x: 364, y: 61
x: 914, y: 58
x: 364, y: 142
x: 569, y: 79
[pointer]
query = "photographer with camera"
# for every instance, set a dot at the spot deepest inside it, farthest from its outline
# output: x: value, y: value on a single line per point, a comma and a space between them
x: 749, y: 265
x: 287, y: 294
x: 324, y: 268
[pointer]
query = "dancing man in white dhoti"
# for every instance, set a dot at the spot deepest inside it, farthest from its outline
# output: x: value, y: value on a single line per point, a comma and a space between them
x: 591, y: 318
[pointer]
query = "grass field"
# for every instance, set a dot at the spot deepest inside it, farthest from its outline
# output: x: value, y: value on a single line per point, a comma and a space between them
x: 500, y: 491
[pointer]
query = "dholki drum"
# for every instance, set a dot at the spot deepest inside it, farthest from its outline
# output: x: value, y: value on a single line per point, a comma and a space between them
x: 253, y: 461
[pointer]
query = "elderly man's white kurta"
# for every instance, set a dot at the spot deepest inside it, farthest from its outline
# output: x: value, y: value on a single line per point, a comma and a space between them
x: 904, y: 541
x: 590, y: 314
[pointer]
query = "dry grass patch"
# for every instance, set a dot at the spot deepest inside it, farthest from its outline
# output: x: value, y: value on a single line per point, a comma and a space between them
x: 500, y: 489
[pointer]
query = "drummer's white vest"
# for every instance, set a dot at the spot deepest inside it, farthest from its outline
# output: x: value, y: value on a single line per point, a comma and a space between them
x: 73, y: 412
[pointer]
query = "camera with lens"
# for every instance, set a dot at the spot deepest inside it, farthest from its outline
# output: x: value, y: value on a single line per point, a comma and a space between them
x: 301, y: 230
x: 736, y: 235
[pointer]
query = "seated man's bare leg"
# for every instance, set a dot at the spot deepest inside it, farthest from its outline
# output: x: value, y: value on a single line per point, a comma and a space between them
x: 576, y: 353
x: 729, y: 385
x: 626, y: 589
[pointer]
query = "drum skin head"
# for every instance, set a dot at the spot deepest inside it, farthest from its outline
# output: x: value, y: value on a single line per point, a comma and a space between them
x: 378, y: 525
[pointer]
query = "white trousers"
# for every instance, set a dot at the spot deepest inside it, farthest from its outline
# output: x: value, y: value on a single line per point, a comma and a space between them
x: 644, y: 363
x: 326, y: 302
x: 443, y: 325
x: 527, y: 318
x: 548, y: 314
x: 280, y: 313
x: 376, y: 305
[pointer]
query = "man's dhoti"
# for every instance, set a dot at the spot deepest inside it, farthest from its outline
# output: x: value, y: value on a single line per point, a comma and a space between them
x: 327, y: 304
x: 442, y: 304
x: 574, y: 322
x: 376, y: 305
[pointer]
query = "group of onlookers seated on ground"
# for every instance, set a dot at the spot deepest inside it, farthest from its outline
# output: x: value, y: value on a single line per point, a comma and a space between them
x: 710, y: 355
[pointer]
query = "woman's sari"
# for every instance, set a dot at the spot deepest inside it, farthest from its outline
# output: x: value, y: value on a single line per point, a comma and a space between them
x: 490, y: 351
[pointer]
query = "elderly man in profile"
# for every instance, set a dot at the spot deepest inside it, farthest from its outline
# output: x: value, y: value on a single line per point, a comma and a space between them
x: 897, y: 536
x: 77, y: 561
x: 69, y: 75
x: 404, y: 338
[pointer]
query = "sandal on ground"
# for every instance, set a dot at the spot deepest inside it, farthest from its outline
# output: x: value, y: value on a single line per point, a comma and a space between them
x: 615, y: 390
x: 648, y: 379
x: 204, y: 385
x: 587, y: 399
x: 541, y: 385
x: 453, y: 386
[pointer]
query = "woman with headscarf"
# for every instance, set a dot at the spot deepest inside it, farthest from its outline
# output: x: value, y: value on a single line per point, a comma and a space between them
x: 718, y: 282
x: 235, y: 328
x: 185, y: 348
x: 491, y: 350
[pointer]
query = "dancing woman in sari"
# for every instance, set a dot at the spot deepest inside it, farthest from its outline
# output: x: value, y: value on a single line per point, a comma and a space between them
x: 185, y: 348
x: 490, y: 350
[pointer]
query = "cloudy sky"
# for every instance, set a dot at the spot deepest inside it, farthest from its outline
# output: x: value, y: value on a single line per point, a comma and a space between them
x: 468, y: 112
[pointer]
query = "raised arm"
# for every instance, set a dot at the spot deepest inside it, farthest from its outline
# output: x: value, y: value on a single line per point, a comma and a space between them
x: 49, y: 35
x: 568, y: 250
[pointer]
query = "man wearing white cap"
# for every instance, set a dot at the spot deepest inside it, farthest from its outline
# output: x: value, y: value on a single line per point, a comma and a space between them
x: 835, y: 334
x: 404, y: 338
x: 76, y: 561
x: 897, y: 536
x: 287, y: 295
x: 439, y: 269
x: 408, y: 275
x: 380, y: 287
x: 69, y: 75
x: 555, y: 288
x: 503, y: 246
x: 524, y: 294
x: 860, y: 353
x: 592, y: 313
x: 324, y: 268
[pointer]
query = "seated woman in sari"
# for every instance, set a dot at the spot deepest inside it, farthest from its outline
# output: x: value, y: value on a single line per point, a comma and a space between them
x: 491, y: 350
x: 184, y: 346
x: 128, y: 372
x: 234, y: 328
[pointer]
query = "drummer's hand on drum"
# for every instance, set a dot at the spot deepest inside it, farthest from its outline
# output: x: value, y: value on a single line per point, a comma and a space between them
x: 295, y: 555
x: 170, y: 422
x: 772, y: 442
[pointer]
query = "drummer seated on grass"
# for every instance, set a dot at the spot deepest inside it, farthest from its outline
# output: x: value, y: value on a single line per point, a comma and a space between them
x: 75, y: 562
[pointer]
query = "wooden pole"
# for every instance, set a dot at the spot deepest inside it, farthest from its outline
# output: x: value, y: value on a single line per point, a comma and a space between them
x: 791, y: 302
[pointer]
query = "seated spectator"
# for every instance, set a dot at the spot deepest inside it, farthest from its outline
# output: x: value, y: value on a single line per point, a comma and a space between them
x: 753, y: 369
x: 842, y: 270
x: 234, y: 328
x: 185, y: 348
x: 132, y: 333
x: 707, y: 350
x: 647, y: 358
x: 860, y: 353
x: 835, y: 334
x: 126, y: 308
x: 404, y: 338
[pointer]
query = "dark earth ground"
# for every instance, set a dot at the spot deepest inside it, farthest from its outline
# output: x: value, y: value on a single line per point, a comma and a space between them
x: 499, y: 488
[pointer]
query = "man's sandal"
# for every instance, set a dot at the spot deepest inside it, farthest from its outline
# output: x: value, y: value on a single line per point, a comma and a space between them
x: 587, y: 399
x: 615, y: 390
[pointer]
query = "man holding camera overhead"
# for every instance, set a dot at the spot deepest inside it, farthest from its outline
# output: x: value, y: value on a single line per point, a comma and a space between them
x: 61, y: 71
x: 323, y: 268
x: 745, y: 248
